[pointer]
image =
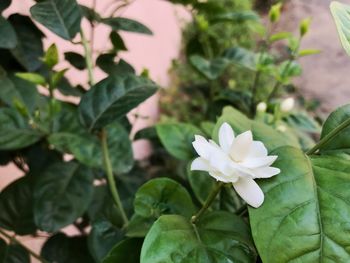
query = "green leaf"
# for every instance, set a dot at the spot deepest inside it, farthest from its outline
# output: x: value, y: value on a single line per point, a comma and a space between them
x: 8, y: 35
x: 177, y: 138
x: 117, y: 42
x: 62, y: 17
x: 308, y: 52
x: 138, y: 226
x: 4, y: 4
x: 75, y: 59
x: 280, y: 36
x: 163, y: 196
x: 126, y: 24
x: 13, y: 253
x: 102, y: 238
x: 29, y: 49
x: 63, y: 249
x: 57, y: 77
x: 240, y: 123
x: 209, y: 69
x: 306, y: 210
x: 107, y: 64
x: 340, y: 143
x: 15, y: 132
x: 218, y: 237
x: 51, y: 56
x: 16, y: 90
x: 113, y: 97
x: 72, y: 185
x: 201, y: 183
x: 235, y: 17
x: 32, y: 77
x: 341, y: 15
x: 16, y: 206
x: 241, y: 57
x: 90, y: 14
x: 86, y: 148
x: 128, y: 250
x: 287, y: 70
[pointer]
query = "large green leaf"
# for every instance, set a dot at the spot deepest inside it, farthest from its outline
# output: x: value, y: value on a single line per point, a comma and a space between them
x: 103, y: 236
x: 340, y: 143
x: 62, y: 17
x: 16, y: 206
x: 15, y: 132
x: 15, y: 90
x: 240, y: 123
x: 87, y: 148
x: 63, y: 249
x: 209, y: 69
x: 241, y: 57
x: 126, y: 24
x: 76, y: 60
x: 29, y: 49
x: 128, y: 250
x: 306, y: 212
x: 177, y: 138
x: 341, y: 15
x: 5, y: 4
x: 218, y: 237
x: 8, y: 35
x: 13, y: 253
x: 72, y: 186
x: 113, y: 97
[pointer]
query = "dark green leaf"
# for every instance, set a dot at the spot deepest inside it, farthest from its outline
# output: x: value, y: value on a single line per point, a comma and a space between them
x: 65, y: 87
x: 201, y: 183
x: 241, y: 57
x: 287, y: 70
x: 126, y: 24
x: 340, y: 143
x: 117, y: 42
x: 86, y: 148
x: 90, y: 14
x: 163, y: 196
x: 4, y: 4
x: 15, y: 132
x: 102, y: 238
x: 113, y: 97
x: 128, y: 250
x: 75, y: 59
x: 8, y: 35
x: 16, y: 206
x: 306, y: 210
x: 62, y: 17
x: 72, y: 186
x: 13, y: 253
x: 218, y: 237
x: 177, y: 138
x: 138, y: 226
x: 209, y: 69
x: 107, y: 64
x: 63, y: 249
x: 29, y: 49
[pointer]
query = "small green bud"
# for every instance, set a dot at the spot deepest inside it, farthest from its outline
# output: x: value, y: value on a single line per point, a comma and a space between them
x: 145, y: 73
x: 275, y: 12
x: 51, y: 56
x: 202, y: 23
x: 304, y: 26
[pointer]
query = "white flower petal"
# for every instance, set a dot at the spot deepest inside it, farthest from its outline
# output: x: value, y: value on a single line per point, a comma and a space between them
x: 250, y: 191
x: 241, y: 146
x: 200, y: 164
x: 202, y: 146
x: 226, y: 136
x: 257, y: 149
x: 265, y: 172
x: 220, y: 177
x: 259, y: 162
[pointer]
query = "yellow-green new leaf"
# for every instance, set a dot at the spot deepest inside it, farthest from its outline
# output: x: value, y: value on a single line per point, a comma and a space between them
x: 341, y: 15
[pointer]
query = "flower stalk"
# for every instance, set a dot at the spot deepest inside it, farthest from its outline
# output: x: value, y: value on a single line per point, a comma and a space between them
x: 207, y: 203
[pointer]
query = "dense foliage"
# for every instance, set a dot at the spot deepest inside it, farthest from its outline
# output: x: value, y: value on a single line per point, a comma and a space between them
x: 77, y: 160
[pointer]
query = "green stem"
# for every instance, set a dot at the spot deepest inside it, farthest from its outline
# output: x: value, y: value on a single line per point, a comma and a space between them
x: 274, y: 91
x: 329, y: 137
x: 207, y: 203
x: 88, y: 57
x: 110, y: 178
x: 16, y: 241
x: 254, y: 93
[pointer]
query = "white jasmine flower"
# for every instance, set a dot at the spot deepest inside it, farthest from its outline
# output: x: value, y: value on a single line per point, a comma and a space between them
x: 261, y: 107
x: 282, y: 128
x: 237, y: 160
x: 287, y: 105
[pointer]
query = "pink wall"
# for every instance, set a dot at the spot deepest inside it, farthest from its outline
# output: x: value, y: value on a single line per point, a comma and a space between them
x: 152, y: 52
